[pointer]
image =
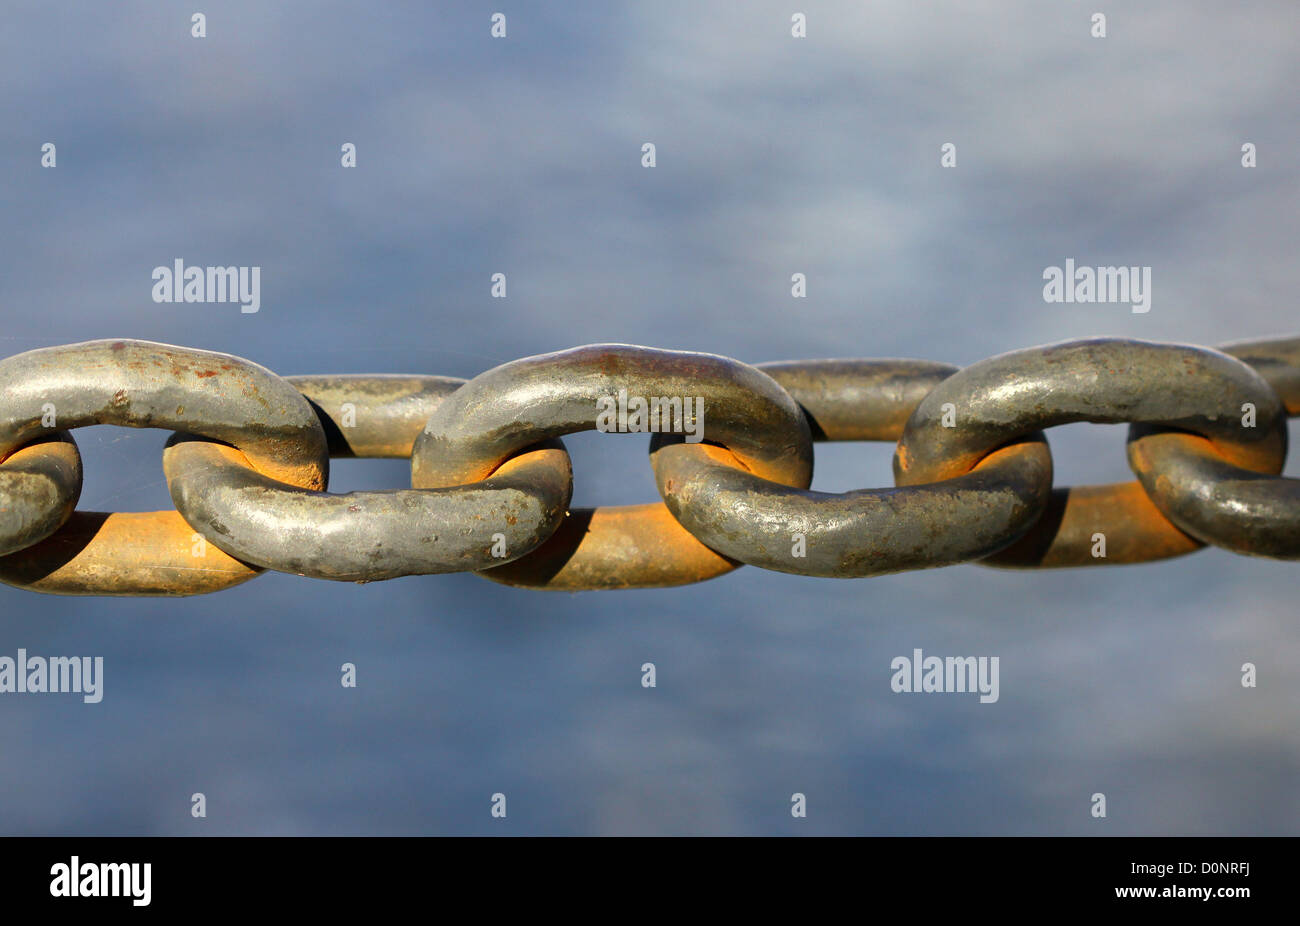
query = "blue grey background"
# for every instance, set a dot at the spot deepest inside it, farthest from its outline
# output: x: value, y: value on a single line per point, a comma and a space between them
x: 775, y: 155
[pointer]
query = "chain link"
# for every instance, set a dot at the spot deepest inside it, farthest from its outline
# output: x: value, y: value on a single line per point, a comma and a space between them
x: 730, y: 448
x: 1103, y: 381
x: 869, y: 531
x: 140, y: 384
x: 364, y: 536
x: 753, y: 423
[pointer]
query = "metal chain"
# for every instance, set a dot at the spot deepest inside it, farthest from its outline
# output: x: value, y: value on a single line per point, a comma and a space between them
x: 731, y: 451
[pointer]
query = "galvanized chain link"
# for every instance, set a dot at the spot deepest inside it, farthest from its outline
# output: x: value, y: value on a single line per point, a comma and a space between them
x: 731, y: 451
x: 364, y: 536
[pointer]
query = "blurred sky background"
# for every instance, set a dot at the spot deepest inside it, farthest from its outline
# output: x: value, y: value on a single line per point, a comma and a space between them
x: 775, y: 155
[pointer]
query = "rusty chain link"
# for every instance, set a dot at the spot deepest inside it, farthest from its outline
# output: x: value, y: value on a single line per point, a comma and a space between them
x: 730, y: 448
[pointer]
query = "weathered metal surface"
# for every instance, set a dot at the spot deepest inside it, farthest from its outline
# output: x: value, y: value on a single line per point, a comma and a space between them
x: 1104, y: 381
x: 492, y: 482
x: 374, y: 416
x: 126, y: 553
x: 850, y: 400
x: 366, y: 536
x: 39, y: 487
x: 1069, y: 525
x: 868, y: 531
x: 517, y: 404
x: 1234, y: 507
x: 620, y: 546
x: 1278, y: 361
x: 141, y: 384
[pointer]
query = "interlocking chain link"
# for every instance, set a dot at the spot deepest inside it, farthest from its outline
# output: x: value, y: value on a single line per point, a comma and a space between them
x: 869, y: 531
x: 363, y: 536
x: 139, y: 384
x: 754, y: 424
x: 730, y: 448
x: 1007, y: 397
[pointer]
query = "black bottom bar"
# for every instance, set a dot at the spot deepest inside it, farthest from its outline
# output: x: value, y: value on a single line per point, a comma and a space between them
x: 652, y: 876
